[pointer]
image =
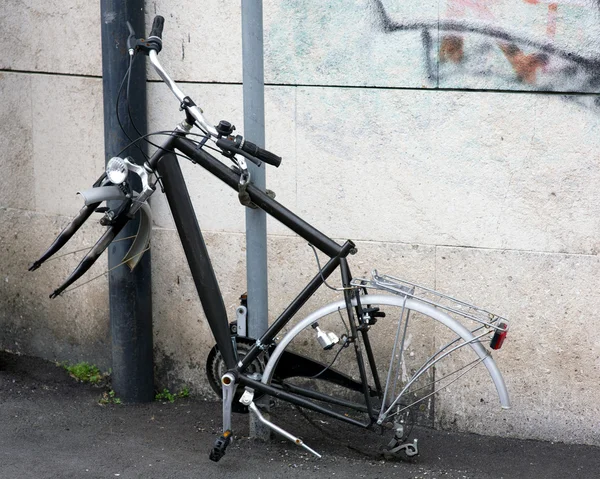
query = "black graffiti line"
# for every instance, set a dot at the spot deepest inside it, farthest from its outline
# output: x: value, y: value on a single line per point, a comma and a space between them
x: 389, y: 26
x: 432, y: 74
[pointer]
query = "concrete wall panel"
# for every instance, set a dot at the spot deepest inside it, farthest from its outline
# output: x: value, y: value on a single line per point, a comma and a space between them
x: 341, y: 43
x: 486, y: 170
x: 17, y: 183
x: 72, y: 327
x: 59, y: 37
x: 182, y: 336
x: 68, y: 140
x: 551, y: 356
x: 504, y: 44
x: 201, y: 41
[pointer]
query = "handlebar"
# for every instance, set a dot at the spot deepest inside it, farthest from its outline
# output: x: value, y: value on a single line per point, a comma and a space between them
x: 157, y: 27
x: 261, y: 153
x: 249, y: 150
x: 245, y: 148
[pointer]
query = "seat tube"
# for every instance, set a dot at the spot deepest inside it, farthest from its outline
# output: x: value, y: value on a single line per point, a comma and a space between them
x: 196, y: 254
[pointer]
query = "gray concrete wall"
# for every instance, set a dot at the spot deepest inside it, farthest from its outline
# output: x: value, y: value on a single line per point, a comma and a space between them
x: 463, y: 159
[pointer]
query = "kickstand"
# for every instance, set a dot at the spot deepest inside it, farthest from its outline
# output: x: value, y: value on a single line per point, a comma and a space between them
x: 247, y: 400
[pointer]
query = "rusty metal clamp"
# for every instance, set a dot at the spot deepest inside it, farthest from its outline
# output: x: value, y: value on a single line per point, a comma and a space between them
x: 243, y: 194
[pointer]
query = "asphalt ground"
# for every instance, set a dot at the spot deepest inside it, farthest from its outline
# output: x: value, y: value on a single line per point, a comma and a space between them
x: 53, y: 427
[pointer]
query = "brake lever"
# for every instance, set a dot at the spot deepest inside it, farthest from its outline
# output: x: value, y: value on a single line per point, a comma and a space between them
x: 145, y: 45
x: 131, y: 40
x: 228, y: 147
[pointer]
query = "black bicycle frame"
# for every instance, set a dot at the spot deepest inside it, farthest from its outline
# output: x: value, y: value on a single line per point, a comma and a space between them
x: 167, y: 166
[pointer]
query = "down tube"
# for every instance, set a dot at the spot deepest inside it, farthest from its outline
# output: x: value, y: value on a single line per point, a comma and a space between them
x: 196, y: 254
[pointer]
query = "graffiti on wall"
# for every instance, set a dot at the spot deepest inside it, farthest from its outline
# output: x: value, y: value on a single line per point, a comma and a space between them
x: 541, y: 45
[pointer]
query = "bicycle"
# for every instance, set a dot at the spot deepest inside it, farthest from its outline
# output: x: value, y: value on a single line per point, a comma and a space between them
x: 383, y: 398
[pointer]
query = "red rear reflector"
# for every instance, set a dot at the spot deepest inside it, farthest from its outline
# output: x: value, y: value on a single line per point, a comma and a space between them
x: 499, y: 336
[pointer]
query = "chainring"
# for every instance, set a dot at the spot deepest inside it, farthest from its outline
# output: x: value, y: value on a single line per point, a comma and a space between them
x: 216, y: 368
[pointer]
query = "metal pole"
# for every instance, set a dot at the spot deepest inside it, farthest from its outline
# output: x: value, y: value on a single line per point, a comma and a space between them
x: 130, y: 293
x: 256, y: 220
x: 254, y: 130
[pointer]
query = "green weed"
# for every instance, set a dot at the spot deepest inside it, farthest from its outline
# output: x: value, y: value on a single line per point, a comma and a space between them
x: 85, y: 372
x: 166, y: 395
x: 109, y: 398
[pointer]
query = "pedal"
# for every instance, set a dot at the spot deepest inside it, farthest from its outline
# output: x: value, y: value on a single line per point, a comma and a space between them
x: 221, y: 443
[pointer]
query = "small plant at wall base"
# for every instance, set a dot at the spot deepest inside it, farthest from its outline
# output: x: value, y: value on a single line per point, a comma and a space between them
x: 85, y: 372
x: 166, y: 395
x: 109, y: 397
x: 88, y: 373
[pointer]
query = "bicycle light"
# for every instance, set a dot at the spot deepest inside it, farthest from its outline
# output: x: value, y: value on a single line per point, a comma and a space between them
x: 327, y: 339
x: 499, y: 336
x: 116, y: 170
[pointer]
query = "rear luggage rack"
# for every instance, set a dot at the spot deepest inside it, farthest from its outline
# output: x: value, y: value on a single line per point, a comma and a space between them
x: 442, y: 301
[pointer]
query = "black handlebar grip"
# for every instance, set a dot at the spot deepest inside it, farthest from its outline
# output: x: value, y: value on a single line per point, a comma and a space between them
x: 261, y: 154
x: 229, y: 146
x: 157, y: 26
